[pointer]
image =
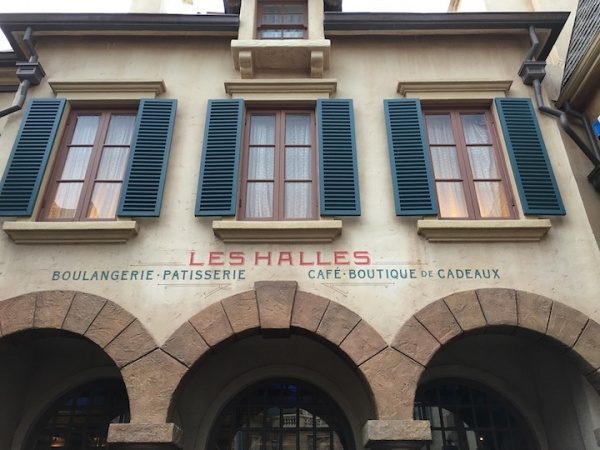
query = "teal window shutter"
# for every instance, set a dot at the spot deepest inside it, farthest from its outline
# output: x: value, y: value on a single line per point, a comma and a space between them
x: 535, y: 180
x: 339, y: 193
x: 219, y: 169
x: 414, y: 192
x: 27, y: 163
x: 144, y: 181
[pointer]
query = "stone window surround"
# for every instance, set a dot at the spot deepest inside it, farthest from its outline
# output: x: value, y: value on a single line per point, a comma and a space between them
x: 83, y: 93
x: 473, y: 92
x: 279, y: 92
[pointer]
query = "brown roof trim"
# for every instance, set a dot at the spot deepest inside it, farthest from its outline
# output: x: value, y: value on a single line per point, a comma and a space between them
x: 126, y: 23
x: 233, y: 6
x: 380, y: 23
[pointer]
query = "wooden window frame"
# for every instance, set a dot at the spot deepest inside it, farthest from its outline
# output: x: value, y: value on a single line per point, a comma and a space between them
x: 466, y: 173
x: 279, y: 180
x: 260, y: 25
x: 90, y: 178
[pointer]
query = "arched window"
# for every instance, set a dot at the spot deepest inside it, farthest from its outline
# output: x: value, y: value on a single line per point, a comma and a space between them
x: 467, y: 416
x: 79, y: 420
x: 281, y: 415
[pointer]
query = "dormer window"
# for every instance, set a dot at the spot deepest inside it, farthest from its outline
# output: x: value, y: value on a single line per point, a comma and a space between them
x: 282, y: 20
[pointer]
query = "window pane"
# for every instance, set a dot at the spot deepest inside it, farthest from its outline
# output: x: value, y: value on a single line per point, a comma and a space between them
x: 271, y: 14
x: 262, y: 130
x: 85, y: 130
x: 259, y: 200
x: 105, y: 199
x: 483, y: 162
x: 451, y: 197
x: 491, y: 199
x: 293, y: 34
x: 120, y: 130
x: 445, y: 163
x: 113, y: 163
x: 297, y: 164
x: 475, y: 128
x: 76, y: 163
x: 439, y: 129
x: 297, y: 200
x: 261, y: 163
x: 270, y: 34
x: 297, y: 129
x: 65, y: 201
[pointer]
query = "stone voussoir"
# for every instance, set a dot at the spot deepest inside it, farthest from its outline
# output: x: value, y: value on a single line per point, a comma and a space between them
x: 338, y: 321
x: 533, y: 311
x: 362, y: 343
x: 308, y: 311
x: 17, y: 313
x: 84, y: 309
x: 439, y: 321
x: 587, y: 346
x: 275, y: 301
x: 107, y: 325
x: 242, y: 311
x: 132, y: 343
x: 51, y: 308
x: 212, y: 324
x: 414, y: 341
x: 186, y: 345
x: 499, y: 306
x: 565, y: 324
x: 466, y: 309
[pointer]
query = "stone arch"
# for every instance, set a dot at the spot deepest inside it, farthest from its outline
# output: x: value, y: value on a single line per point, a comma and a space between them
x: 503, y: 310
x: 117, y: 332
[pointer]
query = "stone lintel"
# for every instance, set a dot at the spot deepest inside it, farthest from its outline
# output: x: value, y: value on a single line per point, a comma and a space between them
x: 396, y: 434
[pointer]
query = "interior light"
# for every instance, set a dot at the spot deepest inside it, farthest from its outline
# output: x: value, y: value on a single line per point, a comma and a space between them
x: 57, y: 442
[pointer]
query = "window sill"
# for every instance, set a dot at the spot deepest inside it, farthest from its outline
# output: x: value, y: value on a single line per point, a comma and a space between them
x: 483, y: 230
x: 232, y: 231
x: 113, y: 232
x: 311, y: 55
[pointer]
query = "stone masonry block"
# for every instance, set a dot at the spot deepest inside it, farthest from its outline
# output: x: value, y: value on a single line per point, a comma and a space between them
x: 308, y: 311
x: 415, y: 341
x: 212, y: 324
x: 565, y: 324
x: 150, y: 383
x: 17, y: 313
x: 362, y: 343
x: 186, y: 345
x: 466, y: 309
x: 242, y: 311
x: 133, y: 343
x: 439, y: 321
x: 499, y: 306
x: 51, y: 308
x: 533, y: 311
x: 337, y: 323
x: 145, y: 433
x: 393, y: 379
x: 376, y: 433
x: 83, y: 311
x: 275, y: 303
x: 587, y: 346
x: 109, y: 322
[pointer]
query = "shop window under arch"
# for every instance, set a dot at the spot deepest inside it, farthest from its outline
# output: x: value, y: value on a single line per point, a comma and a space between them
x: 79, y: 420
x: 467, y: 416
x: 281, y: 415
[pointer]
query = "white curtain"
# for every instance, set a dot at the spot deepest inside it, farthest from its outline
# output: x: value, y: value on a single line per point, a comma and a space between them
x: 261, y: 165
x: 85, y: 130
x: 120, y: 130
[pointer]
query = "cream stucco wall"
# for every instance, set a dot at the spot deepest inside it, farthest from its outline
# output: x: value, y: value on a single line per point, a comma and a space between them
x: 563, y: 266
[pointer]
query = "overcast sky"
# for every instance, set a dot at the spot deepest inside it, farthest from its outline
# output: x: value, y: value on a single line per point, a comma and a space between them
x: 201, y: 6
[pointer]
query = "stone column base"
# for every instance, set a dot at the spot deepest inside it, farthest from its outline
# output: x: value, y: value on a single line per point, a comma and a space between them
x: 396, y: 434
x: 145, y: 436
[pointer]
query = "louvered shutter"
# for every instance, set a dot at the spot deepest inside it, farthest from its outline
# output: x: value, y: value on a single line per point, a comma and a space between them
x: 219, y: 170
x: 144, y: 181
x: 535, y: 180
x: 29, y: 157
x: 414, y: 192
x: 339, y: 192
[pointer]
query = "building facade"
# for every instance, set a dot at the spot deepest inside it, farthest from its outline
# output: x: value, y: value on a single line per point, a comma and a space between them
x: 290, y: 227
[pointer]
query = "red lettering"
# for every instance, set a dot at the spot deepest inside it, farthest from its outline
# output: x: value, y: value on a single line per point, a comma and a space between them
x: 362, y: 258
x: 193, y: 261
x: 340, y: 258
x: 305, y: 263
x: 237, y: 258
x: 322, y: 263
x: 285, y: 257
x: 214, y: 259
x: 258, y: 257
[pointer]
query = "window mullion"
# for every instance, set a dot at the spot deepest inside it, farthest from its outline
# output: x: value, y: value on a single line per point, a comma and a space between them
x: 463, y: 159
x: 279, y: 176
